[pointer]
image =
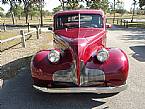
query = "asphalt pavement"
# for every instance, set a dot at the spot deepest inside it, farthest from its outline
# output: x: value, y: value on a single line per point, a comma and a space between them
x: 17, y: 93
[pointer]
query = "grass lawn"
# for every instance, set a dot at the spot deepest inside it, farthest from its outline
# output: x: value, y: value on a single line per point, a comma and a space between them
x: 125, y: 16
x: 139, y: 25
x: 18, y: 40
x: 35, y: 20
x: 9, y: 33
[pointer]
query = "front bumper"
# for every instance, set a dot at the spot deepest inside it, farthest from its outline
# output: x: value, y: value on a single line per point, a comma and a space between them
x: 98, y: 90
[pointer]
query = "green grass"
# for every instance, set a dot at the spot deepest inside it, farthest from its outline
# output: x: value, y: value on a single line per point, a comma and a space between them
x: 126, y: 16
x: 9, y: 33
x: 134, y: 24
x: 139, y: 25
x: 18, y: 41
x: 35, y: 20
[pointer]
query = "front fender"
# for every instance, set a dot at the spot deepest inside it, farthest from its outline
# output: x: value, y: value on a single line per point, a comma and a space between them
x: 115, y: 68
x: 42, y: 68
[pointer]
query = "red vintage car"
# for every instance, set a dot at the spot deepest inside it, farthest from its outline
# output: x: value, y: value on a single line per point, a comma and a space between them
x: 80, y: 62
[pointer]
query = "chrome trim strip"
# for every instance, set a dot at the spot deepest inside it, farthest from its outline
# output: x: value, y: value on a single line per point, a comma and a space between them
x: 98, y: 90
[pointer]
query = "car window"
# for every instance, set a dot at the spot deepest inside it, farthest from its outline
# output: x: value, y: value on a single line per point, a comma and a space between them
x: 72, y: 21
x: 91, y: 21
x: 67, y: 21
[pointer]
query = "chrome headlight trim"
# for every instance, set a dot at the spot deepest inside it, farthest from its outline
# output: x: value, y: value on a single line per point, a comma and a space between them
x: 54, y: 56
x: 102, y: 55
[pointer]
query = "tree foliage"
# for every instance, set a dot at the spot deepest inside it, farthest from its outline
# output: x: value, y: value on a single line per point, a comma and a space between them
x: 141, y: 3
x: 1, y: 9
x: 1, y: 12
x: 18, y: 10
x: 56, y: 9
x: 99, y: 4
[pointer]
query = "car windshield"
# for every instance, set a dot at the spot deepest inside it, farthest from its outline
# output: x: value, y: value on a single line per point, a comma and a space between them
x: 79, y: 20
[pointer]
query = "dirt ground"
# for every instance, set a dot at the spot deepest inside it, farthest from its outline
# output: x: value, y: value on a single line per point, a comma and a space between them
x: 33, y: 45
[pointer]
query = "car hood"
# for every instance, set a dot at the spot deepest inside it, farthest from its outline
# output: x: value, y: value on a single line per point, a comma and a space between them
x: 79, y: 32
x: 80, y: 39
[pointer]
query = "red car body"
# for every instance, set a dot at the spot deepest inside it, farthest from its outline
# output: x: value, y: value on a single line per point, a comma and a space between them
x: 78, y: 68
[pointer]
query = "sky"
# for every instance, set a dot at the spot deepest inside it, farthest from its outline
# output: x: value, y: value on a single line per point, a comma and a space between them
x: 50, y: 4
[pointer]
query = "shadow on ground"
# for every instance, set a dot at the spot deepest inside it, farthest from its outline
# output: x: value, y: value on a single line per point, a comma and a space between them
x: 137, y: 36
x: 10, y: 69
x: 17, y: 93
x: 122, y: 28
x: 139, y: 52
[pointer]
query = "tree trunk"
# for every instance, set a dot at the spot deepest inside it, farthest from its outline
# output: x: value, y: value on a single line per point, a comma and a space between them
x: 12, y: 14
x: 19, y: 17
x: 41, y: 14
x: 133, y: 10
x: 26, y: 17
x: 31, y: 17
x: 13, y: 18
x: 114, y: 11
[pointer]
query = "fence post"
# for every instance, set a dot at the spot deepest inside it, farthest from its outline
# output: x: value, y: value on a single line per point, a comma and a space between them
x: 28, y: 27
x: 39, y: 29
x: 4, y: 27
x: 117, y: 21
x: 126, y: 24
x: 121, y: 22
x: 23, y: 39
x: 113, y: 20
x: 37, y: 32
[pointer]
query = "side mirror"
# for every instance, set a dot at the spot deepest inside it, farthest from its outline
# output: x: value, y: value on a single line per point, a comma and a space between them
x: 108, y: 25
x: 50, y: 28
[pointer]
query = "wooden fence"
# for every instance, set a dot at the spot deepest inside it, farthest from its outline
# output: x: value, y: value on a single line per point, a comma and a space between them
x: 125, y: 22
x: 23, y: 36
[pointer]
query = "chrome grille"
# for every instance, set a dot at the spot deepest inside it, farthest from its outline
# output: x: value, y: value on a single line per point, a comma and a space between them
x: 90, y: 76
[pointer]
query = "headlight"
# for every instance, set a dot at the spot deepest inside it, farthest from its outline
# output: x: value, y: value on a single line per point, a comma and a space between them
x: 102, y: 55
x: 54, y: 56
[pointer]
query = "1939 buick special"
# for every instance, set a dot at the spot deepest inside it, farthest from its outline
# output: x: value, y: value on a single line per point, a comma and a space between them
x: 80, y: 62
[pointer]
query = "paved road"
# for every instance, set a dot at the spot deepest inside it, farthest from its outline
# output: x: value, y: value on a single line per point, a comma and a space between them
x: 17, y: 93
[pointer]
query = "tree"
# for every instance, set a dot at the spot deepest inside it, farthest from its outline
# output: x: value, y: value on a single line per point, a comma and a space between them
x: 41, y: 3
x: 141, y: 3
x: 73, y: 4
x: 134, y: 4
x: 120, y: 7
x: 99, y: 4
x: 56, y: 9
x: 115, y: 2
x: 18, y: 10
x: 1, y: 12
x: 69, y: 4
x: 27, y: 5
x: 12, y: 5
x: 46, y: 13
x: 1, y: 9
x: 34, y: 11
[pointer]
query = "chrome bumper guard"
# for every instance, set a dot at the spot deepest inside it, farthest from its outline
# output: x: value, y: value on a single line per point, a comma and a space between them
x: 98, y: 90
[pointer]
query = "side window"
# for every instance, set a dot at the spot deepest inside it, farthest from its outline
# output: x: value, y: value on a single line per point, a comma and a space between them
x: 67, y: 21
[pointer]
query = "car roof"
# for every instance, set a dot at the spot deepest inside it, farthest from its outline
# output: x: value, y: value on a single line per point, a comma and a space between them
x: 84, y: 11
